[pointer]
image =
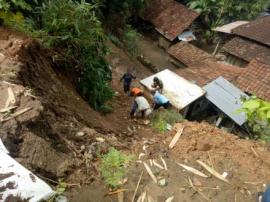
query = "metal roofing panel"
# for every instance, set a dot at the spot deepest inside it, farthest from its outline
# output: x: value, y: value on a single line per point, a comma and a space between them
x: 229, y: 27
x: 178, y: 90
x: 25, y: 184
x: 227, y: 98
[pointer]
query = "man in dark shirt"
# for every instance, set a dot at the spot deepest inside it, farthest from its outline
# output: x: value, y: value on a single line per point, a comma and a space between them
x: 157, y: 84
x: 127, y: 77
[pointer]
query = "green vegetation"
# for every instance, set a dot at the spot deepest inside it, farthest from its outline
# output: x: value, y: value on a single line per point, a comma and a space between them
x: 161, y: 118
x: 60, y: 189
x: 118, y: 14
x: 219, y: 12
x: 113, y: 167
x: 129, y: 38
x: 258, y: 114
x: 74, y: 30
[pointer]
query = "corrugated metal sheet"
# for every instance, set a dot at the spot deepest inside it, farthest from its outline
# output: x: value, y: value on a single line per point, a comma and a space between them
x: 247, y: 49
x: 257, y: 30
x: 229, y: 27
x: 227, y: 97
x: 169, y: 17
x: 178, y: 90
x: 18, y: 181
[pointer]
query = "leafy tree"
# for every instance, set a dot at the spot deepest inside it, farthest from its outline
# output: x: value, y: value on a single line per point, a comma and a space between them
x: 118, y: 13
x: 258, y: 114
x: 219, y: 12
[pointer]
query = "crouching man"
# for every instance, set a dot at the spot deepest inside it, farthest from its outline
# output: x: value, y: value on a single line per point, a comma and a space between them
x: 160, y: 101
x: 140, y: 105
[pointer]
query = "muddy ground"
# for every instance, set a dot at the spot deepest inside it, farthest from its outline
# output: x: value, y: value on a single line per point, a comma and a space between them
x: 59, y: 136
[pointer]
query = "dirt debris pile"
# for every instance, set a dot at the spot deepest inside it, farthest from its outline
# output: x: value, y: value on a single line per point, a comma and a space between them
x: 47, y: 128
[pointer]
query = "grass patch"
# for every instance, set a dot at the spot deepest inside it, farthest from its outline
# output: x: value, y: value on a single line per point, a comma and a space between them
x: 113, y: 167
x: 161, y: 118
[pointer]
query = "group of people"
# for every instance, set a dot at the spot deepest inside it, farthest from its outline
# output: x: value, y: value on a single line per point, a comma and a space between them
x: 140, y: 104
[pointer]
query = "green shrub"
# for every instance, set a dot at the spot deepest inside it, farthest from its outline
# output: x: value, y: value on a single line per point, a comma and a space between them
x: 72, y: 29
x: 115, y: 41
x: 258, y: 115
x: 129, y: 38
x: 113, y: 167
x: 160, y: 119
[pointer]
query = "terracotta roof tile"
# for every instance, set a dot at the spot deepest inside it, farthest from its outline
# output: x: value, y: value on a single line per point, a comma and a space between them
x: 205, y: 73
x: 169, y: 17
x: 247, y: 50
x: 190, y: 55
x: 255, y: 79
x: 257, y: 30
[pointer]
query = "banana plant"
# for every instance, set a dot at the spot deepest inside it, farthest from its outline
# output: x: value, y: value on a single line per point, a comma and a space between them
x: 258, y: 115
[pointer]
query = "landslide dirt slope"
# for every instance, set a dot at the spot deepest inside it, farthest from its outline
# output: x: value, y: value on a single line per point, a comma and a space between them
x: 57, y: 136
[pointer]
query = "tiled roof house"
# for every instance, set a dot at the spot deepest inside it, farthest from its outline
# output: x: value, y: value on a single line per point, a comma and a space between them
x: 255, y: 79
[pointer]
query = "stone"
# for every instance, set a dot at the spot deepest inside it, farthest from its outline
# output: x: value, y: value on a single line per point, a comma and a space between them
x: 100, y: 139
x: 162, y: 182
x: 89, y: 131
x: 80, y: 134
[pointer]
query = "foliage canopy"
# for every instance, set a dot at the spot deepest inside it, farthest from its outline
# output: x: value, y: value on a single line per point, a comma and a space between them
x: 258, y: 114
x: 219, y: 12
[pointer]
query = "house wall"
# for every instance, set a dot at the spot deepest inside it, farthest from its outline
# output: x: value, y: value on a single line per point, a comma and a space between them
x: 233, y: 60
x: 163, y: 42
x: 176, y: 63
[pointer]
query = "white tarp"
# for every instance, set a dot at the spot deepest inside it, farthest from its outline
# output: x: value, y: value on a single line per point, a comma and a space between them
x: 3, y: 148
x: 178, y: 90
x: 16, y: 180
x: 187, y: 36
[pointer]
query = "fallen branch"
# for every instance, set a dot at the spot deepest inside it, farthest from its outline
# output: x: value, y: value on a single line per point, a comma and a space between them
x: 6, y: 82
x: 141, y: 197
x: 254, y: 152
x: 158, y: 165
x: 55, y: 182
x: 253, y: 183
x: 170, y: 199
x: 4, y: 110
x: 138, y: 184
x: 212, y: 164
x: 192, y: 170
x: 18, y: 113
x: 176, y: 138
x: 116, y: 192
x: 11, y: 96
x: 197, y: 190
x: 150, y: 172
x: 212, y: 171
x: 164, y: 163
